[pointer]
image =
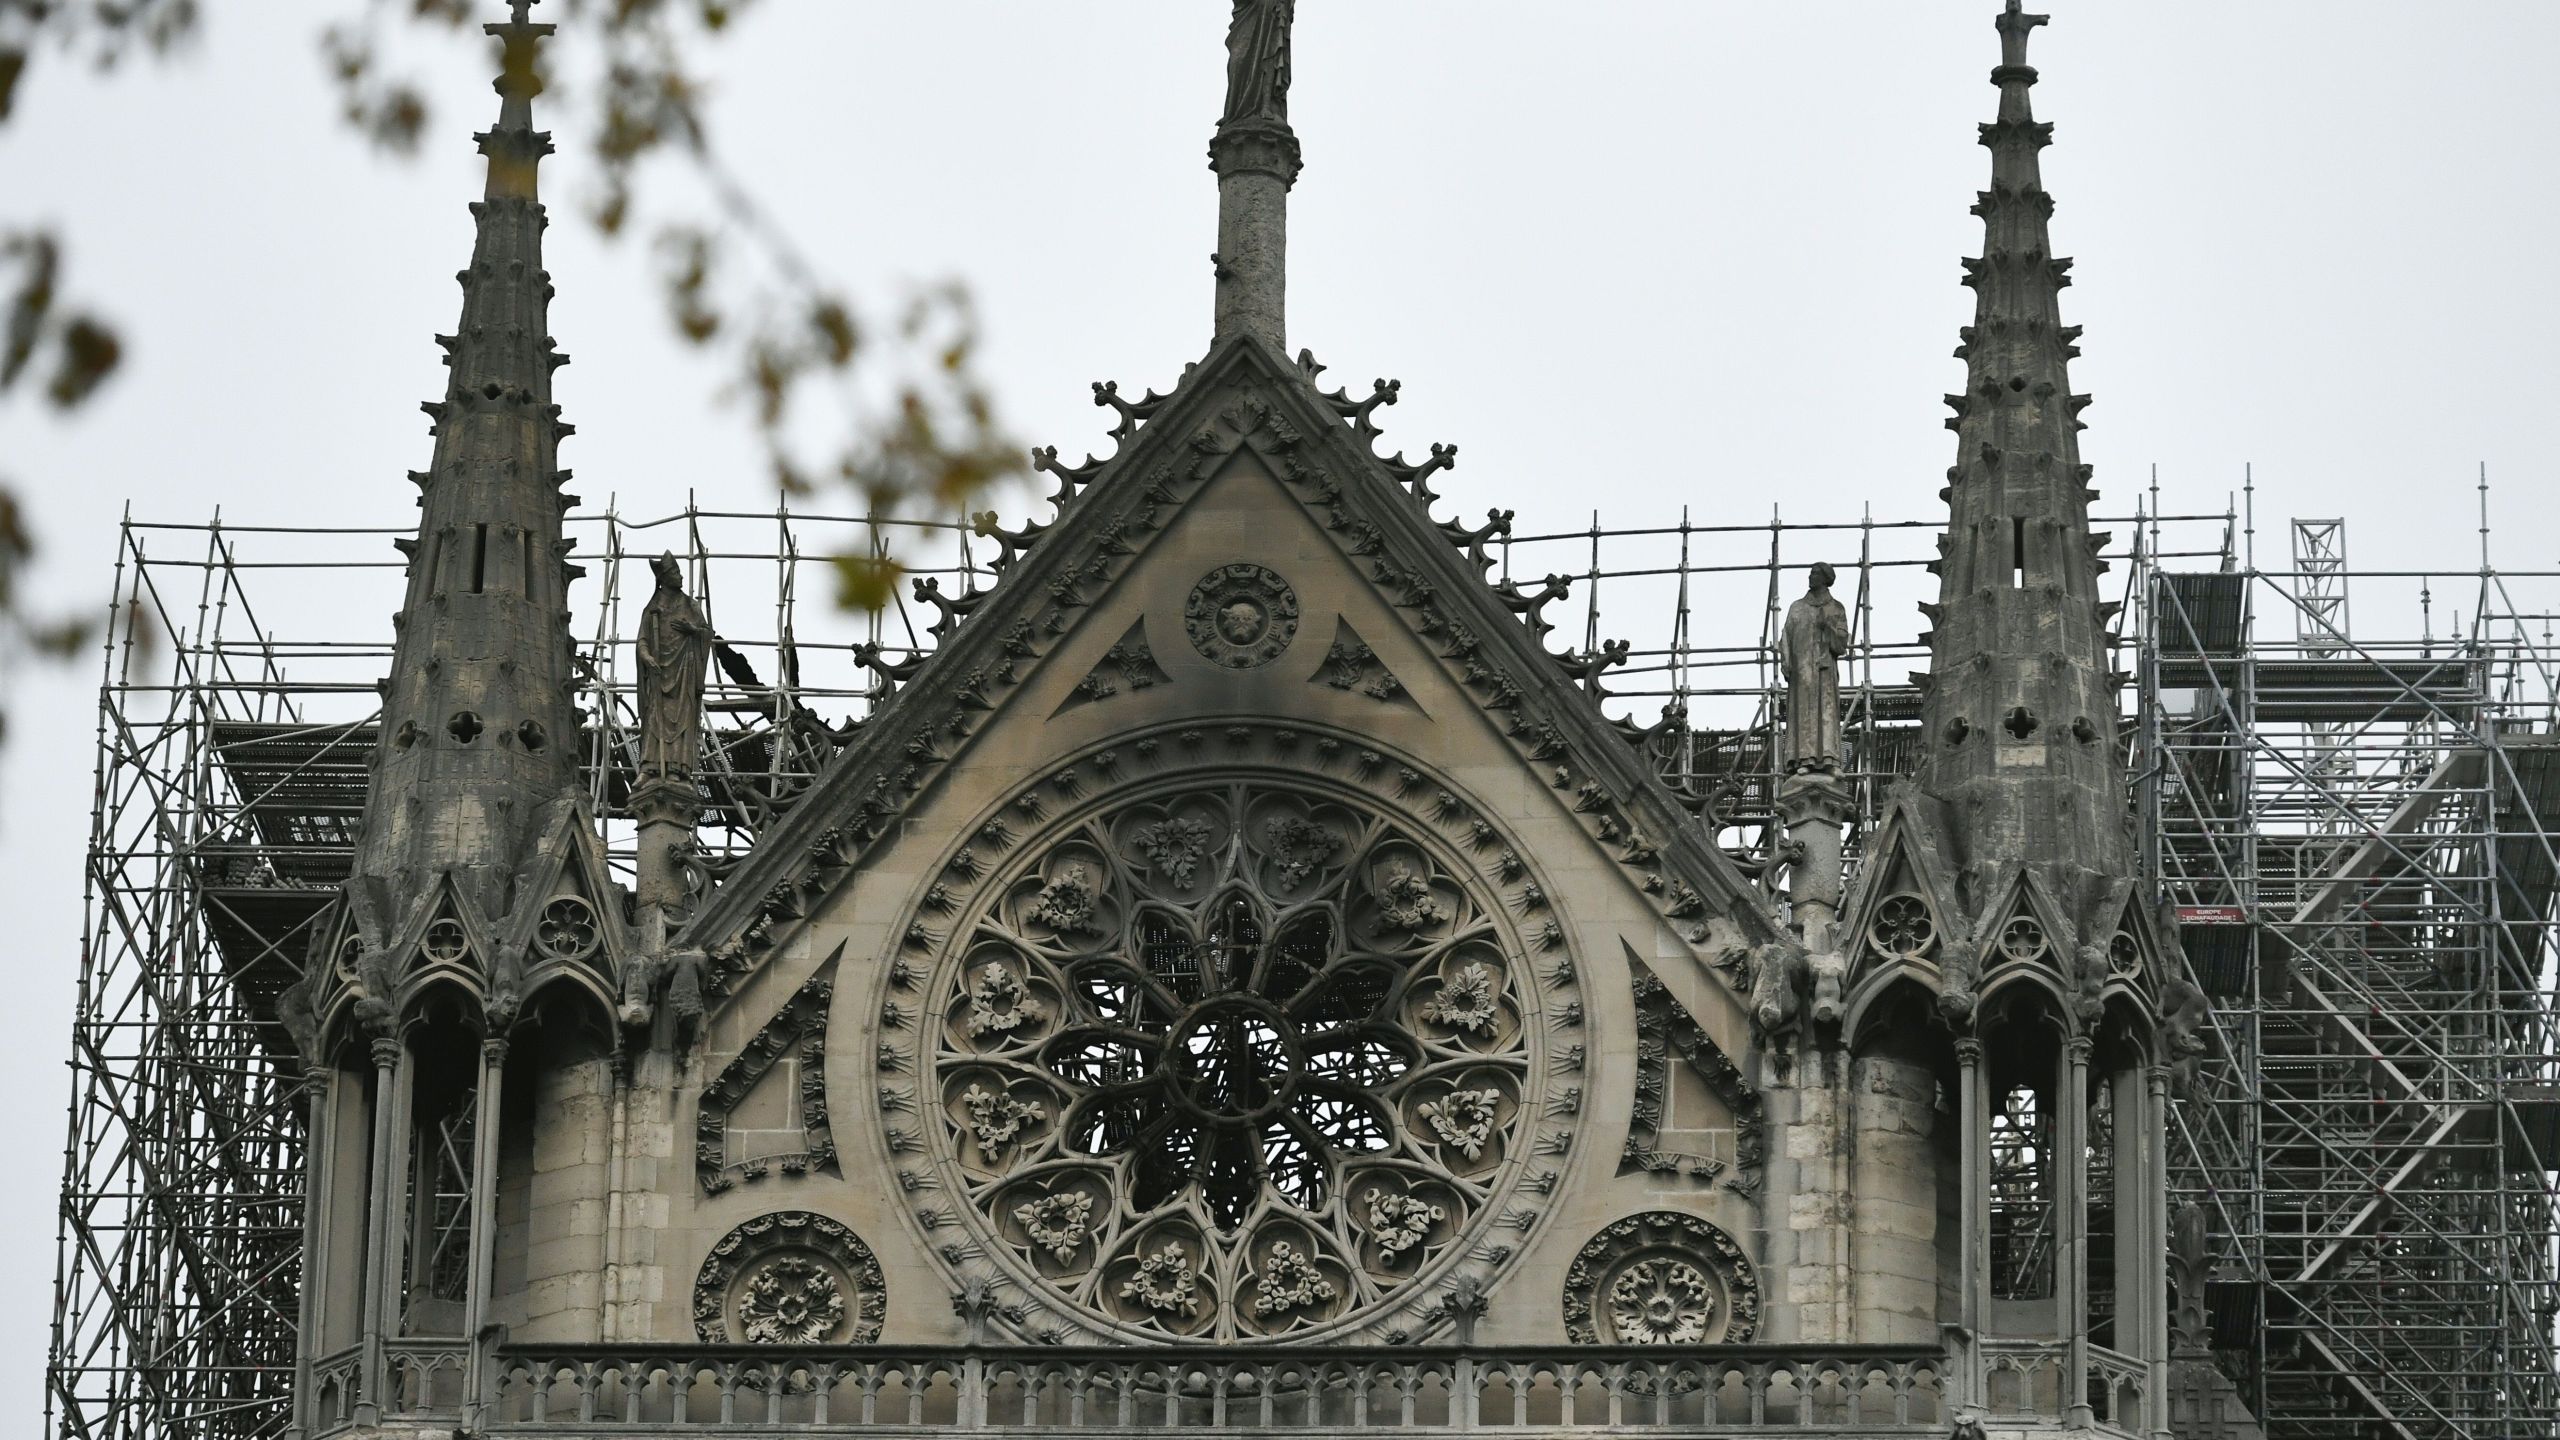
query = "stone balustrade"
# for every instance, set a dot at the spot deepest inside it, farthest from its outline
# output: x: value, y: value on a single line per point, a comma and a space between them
x: 1716, y: 1390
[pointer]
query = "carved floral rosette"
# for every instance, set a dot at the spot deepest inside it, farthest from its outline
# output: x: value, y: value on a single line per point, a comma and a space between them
x: 1232, y: 1051
x: 790, y: 1278
x: 1241, y: 615
x: 1661, y: 1278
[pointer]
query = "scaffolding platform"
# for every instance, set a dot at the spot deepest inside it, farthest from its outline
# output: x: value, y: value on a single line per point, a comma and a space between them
x: 2356, y: 833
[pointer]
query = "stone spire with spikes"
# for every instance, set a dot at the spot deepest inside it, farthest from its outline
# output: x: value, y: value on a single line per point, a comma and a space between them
x: 2020, y: 711
x: 1255, y: 155
x: 479, y: 737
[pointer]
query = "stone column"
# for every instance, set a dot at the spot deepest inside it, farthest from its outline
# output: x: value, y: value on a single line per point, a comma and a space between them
x: 2155, y: 1243
x: 562, y: 1298
x: 643, y: 1169
x: 1973, y: 1246
x: 1256, y: 162
x: 1893, y: 1219
x: 485, y: 1122
x: 2071, y: 1231
x: 382, y: 1222
x: 1815, y: 807
x: 1810, y: 1179
x: 667, y: 808
x: 319, y: 1132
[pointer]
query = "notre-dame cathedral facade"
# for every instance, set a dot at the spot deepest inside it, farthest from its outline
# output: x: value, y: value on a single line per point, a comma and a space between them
x: 1241, y: 979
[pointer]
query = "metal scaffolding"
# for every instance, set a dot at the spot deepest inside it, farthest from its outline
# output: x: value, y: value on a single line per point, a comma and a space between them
x: 235, y: 725
x: 2357, y: 832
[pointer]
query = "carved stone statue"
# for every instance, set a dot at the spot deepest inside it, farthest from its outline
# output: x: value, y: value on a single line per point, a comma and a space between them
x: 2089, y: 982
x: 2184, y: 1013
x: 1810, y: 646
x: 1258, y: 62
x: 1779, y: 971
x: 674, y: 646
x: 2190, y: 1263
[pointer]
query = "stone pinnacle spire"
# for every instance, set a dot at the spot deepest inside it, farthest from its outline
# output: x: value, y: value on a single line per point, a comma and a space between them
x: 479, y: 737
x: 2020, y: 709
x: 1255, y: 155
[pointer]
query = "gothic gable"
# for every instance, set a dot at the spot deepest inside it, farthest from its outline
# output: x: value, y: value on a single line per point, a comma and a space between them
x: 1267, y: 998
x: 1427, y: 574
x: 1905, y: 917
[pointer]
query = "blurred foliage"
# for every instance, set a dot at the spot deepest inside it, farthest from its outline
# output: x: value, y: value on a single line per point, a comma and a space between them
x: 888, y: 405
x: 890, y: 408
x: 54, y: 351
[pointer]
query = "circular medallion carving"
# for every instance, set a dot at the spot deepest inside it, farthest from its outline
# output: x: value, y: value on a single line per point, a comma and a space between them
x: 567, y: 930
x: 790, y: 1278
x: 1661, y: 1278
x: 2124, y: 955
x: 445, y: 943
x: 1241, y: 615
x: 1232, y: 1054
x: 1902, y: 928
x: 2022, y: 938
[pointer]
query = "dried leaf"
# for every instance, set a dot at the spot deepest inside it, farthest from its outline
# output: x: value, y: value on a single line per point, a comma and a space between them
x: 89, y: 355
x: 866, y: 582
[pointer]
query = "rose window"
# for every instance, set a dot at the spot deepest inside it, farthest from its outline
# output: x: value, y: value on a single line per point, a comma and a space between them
x: 1239, y: 1060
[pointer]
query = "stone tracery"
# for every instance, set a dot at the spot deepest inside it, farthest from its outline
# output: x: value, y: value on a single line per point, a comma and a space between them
x: 1233, y: 1058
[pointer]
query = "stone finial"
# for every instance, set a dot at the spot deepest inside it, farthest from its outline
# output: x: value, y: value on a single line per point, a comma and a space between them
x: 1466, y: 1304
x: 514, y: 147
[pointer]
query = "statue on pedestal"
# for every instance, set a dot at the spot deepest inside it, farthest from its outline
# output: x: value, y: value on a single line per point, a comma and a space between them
x: 1810, y: 647
x: 674, y: 648
x: 1258, y: 62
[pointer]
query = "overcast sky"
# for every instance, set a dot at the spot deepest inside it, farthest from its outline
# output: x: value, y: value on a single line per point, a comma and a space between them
x: 1631, y: 255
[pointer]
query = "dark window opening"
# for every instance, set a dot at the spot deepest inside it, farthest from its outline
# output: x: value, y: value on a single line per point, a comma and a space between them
x: 2101, y: 1161
x: 2018, y: 552
x: 435, y: 1283
x: 479, y: 557
x: 2022, y: 1197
